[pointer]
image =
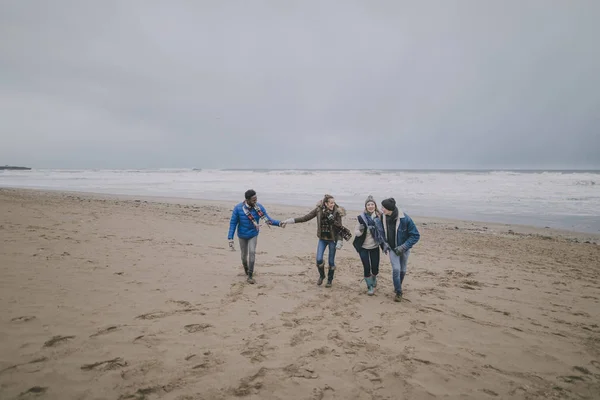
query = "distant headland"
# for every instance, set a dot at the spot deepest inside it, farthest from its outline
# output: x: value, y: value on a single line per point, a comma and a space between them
x: 10, y: 167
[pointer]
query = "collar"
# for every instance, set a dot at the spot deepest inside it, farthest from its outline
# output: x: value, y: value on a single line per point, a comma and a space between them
x: 400, y: 214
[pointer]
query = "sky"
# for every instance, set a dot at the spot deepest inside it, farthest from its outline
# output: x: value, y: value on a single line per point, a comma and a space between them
x: 300, y: 84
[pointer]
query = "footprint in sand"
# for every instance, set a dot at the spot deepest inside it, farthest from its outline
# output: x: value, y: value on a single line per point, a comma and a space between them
x: 183, y: 303
x: 250, y: 384
x: 36, y: 391
x: 106, y: 365
x: 193, y: 328
x: 490, y: 392
x: 148, y: 340
x: 319, y: 393
x: 25, y: 318
x: 35, y: 361
x: 57, y: 339
x: 571, y: 378
x: 378, y: 331
x: 256, y: 349
x: 141, y: 369
x: 367, y: 372
x: 295, y: 371
x: 235, y: 292
x: 300, y: 337
x: 163, y: 314
x: 208, y: 364
x: 105, y: 331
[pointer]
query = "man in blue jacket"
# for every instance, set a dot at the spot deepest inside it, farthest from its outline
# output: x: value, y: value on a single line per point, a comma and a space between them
x: 401, y: 235
x: 248, y: 218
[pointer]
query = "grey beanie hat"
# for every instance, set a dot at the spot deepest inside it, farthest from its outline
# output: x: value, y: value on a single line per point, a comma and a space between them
x: 370, y: 199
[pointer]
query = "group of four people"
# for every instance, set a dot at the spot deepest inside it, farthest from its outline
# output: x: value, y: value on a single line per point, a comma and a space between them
x: 389, y: 230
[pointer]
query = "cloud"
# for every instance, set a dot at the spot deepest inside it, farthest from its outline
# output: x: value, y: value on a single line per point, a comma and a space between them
x: 269, y: 84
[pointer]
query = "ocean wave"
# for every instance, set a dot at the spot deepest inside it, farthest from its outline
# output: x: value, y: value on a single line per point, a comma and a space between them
x: 585, y: 183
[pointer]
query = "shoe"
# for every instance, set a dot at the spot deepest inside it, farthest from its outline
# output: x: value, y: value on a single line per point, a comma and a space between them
x: 321, y: 269
x: 370, y: 288
x: 330, y: 274
x: 250, y: 280
x: 398, y: 297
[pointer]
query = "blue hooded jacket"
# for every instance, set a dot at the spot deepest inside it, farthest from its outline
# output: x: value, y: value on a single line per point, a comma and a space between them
x: 245, y: 227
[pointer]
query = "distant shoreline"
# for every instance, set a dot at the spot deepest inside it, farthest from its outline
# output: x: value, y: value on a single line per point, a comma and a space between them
x: 442, y: 170
x: 12, y: 168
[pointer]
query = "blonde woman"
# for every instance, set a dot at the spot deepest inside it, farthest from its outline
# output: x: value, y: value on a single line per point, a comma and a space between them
x: 369, y: 237
x: 330, y: 232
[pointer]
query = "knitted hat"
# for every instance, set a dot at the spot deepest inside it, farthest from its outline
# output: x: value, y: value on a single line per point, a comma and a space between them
x: 249, y: 193
x: 389, y: 204
x: 369, y: 200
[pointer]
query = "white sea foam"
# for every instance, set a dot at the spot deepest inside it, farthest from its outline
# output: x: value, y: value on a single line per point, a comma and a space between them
x: 558, y: 199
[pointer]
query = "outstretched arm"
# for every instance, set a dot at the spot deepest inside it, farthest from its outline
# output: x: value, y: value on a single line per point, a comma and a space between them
x: 271, y: 220
x: 305, y: 218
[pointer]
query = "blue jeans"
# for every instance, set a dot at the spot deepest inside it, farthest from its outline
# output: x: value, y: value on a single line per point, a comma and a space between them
x: 321, y: 246
x: 398, y: 269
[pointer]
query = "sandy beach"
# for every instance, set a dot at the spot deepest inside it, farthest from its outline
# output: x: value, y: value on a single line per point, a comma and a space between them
x: 113, y: 297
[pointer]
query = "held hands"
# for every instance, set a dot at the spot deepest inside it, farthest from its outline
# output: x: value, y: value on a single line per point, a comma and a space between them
x: 386, y: 248
x: 287, y: 221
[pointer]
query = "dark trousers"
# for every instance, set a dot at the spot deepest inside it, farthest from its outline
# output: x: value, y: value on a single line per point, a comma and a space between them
x: 370, y: 260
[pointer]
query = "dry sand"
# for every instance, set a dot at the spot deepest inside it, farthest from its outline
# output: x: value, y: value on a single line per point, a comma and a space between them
x: 105, y: 297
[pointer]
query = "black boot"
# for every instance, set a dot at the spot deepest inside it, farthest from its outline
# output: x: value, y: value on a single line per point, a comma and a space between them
x: 398, y: 297
x: 321, y: 269
x: 250, y: 279
x: 330, y: 276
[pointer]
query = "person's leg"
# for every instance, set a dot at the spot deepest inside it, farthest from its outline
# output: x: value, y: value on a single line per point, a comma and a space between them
x: 320, y: 265
x: 251, y: 257
x: 332, y: 250
x: 244, y: 253
x: 375, y: 256
x: 364, y: 257
x: 403, y: 266
x: 395, y: 261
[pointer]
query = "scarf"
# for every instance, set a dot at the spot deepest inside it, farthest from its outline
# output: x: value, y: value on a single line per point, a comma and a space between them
x: 329, y: 221
x: 375, y: 227
x: 261, y: 215
x: 391, y: 228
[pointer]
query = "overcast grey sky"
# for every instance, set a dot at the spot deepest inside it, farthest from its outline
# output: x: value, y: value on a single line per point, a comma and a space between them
x: 300, y: 84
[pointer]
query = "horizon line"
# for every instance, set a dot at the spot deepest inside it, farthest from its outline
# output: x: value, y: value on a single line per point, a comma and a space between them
x: 332, y: 169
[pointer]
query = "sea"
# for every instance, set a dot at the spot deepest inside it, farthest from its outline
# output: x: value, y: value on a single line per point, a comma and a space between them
x: 556, y: 199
